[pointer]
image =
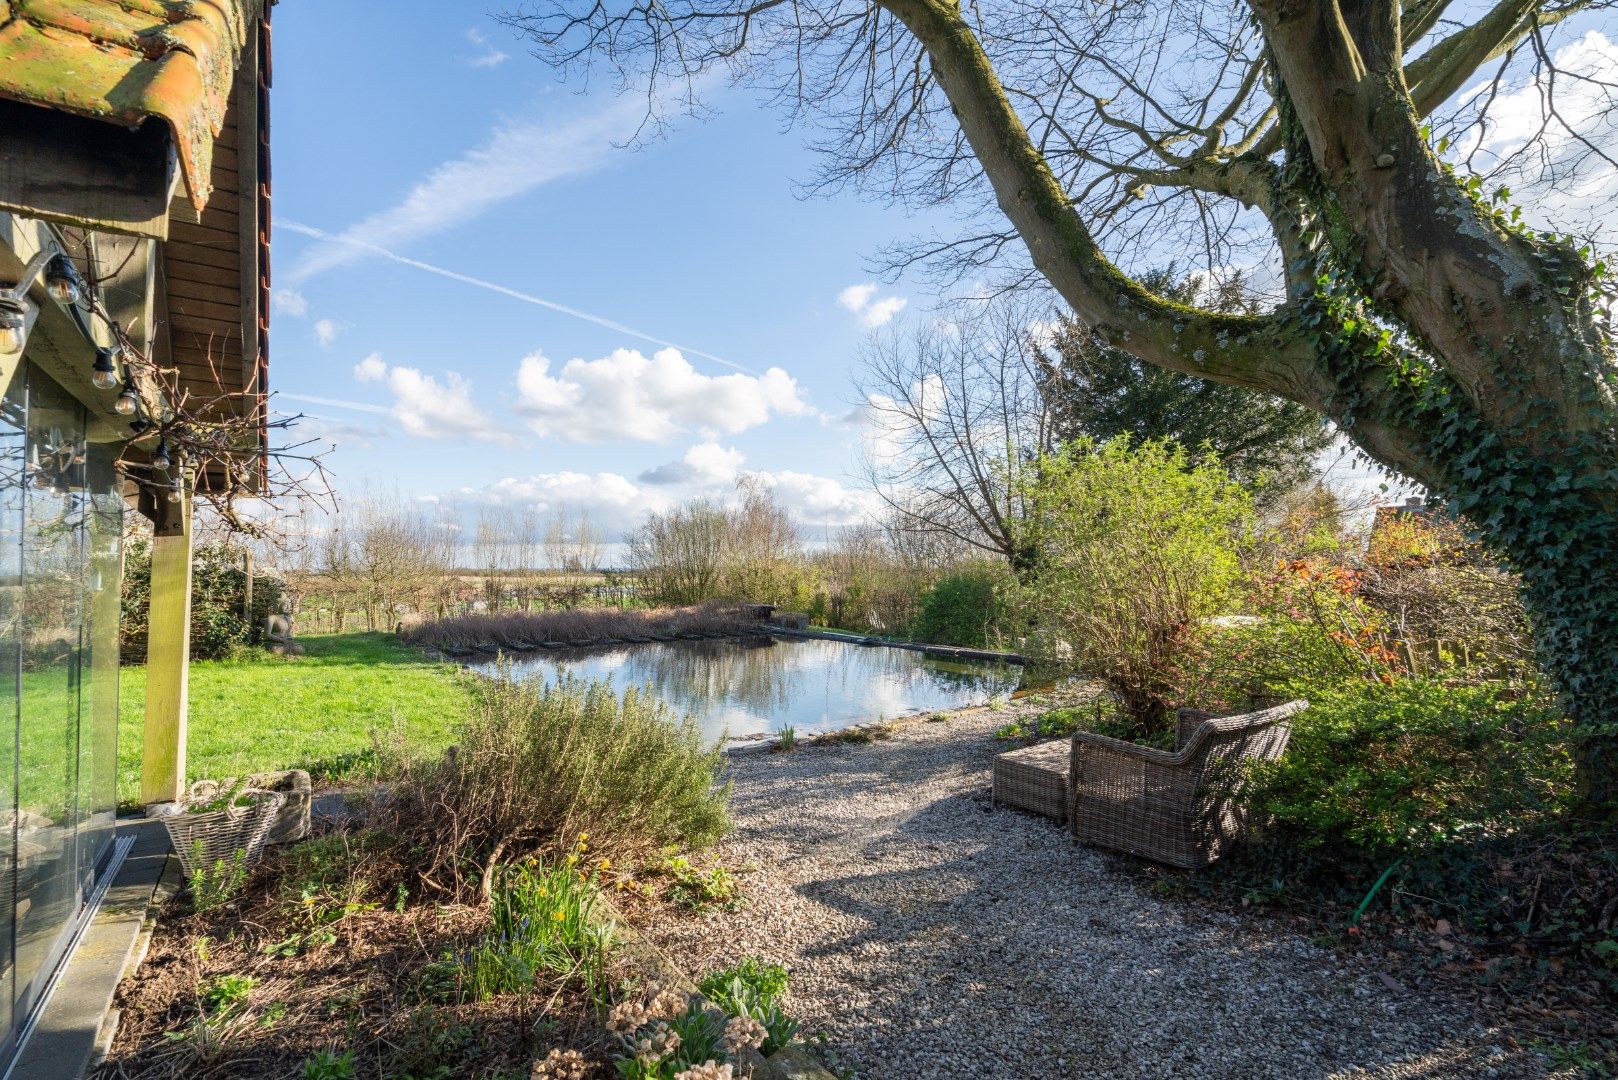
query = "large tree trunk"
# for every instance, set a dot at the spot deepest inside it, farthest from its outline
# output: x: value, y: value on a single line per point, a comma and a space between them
x: 1570, y: 583
x: 1497, y: 388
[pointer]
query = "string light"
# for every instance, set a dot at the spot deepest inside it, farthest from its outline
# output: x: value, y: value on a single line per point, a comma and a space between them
x: 160, y: 457
x: 129, y: 399
x: 62, y: 280
x: 13, y: 328
x: 104, y: 373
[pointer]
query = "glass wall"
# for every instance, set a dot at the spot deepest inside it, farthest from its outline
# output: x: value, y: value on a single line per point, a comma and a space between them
x: 60, y: 529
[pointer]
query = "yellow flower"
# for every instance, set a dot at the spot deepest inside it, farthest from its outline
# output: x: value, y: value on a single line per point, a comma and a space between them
x: 604, y: 864
x: 559, y: 915
x: 583, y: 836
x: 572, y: 861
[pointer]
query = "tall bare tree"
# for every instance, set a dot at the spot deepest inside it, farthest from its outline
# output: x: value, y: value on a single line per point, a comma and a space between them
x: 1452, y: 342
x: 957, y: 413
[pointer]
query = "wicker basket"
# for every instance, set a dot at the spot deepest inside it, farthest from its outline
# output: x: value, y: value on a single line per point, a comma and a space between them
x: 221, y: 833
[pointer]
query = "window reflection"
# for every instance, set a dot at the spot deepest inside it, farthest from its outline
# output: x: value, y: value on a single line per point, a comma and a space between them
x: 47, y: 742
x: 60, y: 532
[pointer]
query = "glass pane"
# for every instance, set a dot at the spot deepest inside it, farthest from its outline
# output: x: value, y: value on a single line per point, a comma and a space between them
x: 13, y: 414
x: 98, y: 699
x: 48, y: 743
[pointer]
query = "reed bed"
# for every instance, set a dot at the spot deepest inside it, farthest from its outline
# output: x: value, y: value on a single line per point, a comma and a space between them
x: 516, y: 630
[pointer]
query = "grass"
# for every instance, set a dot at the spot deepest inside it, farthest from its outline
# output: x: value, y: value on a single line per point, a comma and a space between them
x: 315, y: 712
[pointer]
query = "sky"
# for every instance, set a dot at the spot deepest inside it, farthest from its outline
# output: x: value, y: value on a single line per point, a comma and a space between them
x: 483, y: 296
x: 519, y: 307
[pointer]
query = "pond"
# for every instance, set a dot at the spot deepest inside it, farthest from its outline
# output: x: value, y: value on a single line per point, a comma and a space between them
x: 750, y: 686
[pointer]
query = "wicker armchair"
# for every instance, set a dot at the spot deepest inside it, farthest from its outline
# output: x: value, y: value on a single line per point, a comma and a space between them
x: 1176, y: 808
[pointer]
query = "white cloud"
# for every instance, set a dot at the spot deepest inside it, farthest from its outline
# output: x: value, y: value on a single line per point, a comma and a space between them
x: 289, y: 302
x: 490, y: 56
x: 626, y: 395
x: 615, y: 503
x: 862, y: 301
x: 325, y: 332
x: 855, y: 297
x: 426, y: 408
x: 618, y: 505
x: 704, y: 465
x: 371, y: 369
x: 820, y: 500
x: 515, y: 159
x: 1561, y: 183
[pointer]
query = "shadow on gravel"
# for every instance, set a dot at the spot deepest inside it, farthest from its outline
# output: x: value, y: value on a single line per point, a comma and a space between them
x: 987, y: 944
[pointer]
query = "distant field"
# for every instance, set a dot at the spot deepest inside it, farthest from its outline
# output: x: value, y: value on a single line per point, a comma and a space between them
x: 314, y: 712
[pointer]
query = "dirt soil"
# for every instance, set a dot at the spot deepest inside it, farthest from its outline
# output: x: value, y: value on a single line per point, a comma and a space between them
x: 360, y: 991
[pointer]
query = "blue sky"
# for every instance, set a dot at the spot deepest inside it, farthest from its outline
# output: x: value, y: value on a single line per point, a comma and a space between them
x: 444, y: 156
x: 445, y: 143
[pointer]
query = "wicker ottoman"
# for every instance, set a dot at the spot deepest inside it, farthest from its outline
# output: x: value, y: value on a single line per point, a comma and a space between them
x: 1034, y: 778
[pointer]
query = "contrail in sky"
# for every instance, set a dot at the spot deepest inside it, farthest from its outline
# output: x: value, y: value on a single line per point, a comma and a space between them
x: 527, y: 298
x: 357, y: 406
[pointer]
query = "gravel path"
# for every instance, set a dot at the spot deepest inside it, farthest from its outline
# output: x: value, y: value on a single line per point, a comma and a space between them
x: 932, y: 935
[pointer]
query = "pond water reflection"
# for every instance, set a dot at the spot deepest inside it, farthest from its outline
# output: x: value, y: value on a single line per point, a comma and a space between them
x: 754, y: 685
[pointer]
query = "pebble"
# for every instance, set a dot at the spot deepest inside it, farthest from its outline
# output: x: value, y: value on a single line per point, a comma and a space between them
x: 929, y: 934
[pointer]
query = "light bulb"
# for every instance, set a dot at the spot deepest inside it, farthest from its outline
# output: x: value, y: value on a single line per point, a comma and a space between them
x: 125, y: 405
x: 104, y: 374
x: 160, y: 457
x: 62, y: 280
x: 64, y: 291
x: 13, y: 331
x: 174, y: 494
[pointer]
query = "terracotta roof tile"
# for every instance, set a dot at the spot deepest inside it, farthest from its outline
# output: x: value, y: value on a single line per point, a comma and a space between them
x: 126, y: 61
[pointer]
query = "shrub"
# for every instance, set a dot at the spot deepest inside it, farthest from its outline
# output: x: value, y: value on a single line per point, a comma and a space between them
x: 1401, y: 767
x: 1448, y: 601
x: 537, y: 765
x: 961, y: 609
x: 521, y: 629
x: 1305, y: 627
x: 219, y: 622
x: 1132, y: 551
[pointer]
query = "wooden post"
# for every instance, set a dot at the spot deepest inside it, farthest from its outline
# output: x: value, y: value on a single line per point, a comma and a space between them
x: 168, y: 658
x: 247, y: 591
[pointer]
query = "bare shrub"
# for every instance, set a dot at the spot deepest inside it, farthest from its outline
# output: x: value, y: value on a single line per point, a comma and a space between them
x: 525, y: 629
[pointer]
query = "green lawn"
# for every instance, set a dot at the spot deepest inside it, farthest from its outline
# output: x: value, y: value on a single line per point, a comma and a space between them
x: 316, y: 712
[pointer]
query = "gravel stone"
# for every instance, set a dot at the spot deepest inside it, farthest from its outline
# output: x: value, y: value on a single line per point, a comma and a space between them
x: 932, y: 934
